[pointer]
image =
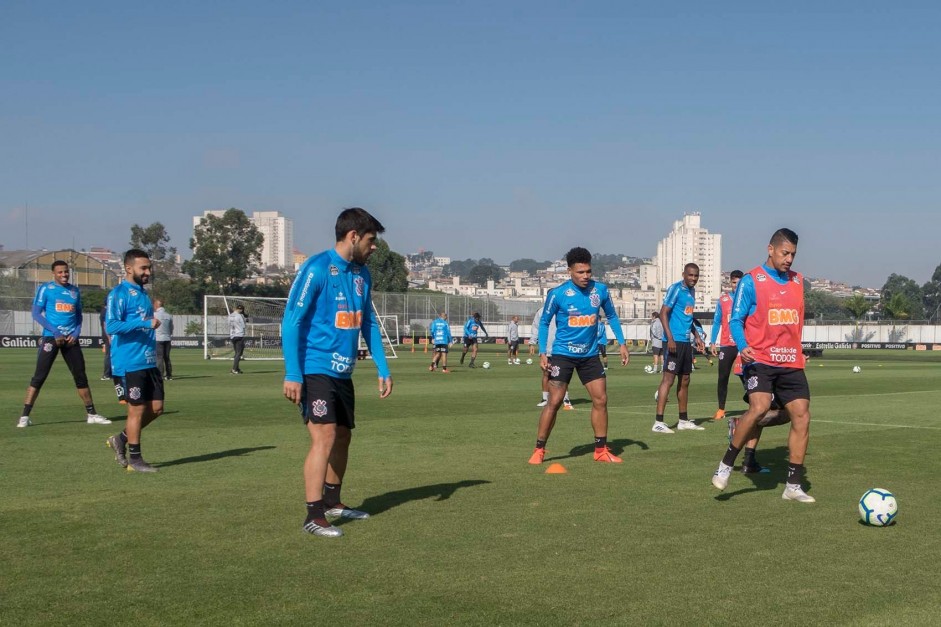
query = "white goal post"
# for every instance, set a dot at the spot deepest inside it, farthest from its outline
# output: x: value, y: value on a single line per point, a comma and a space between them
x: 262, y: 327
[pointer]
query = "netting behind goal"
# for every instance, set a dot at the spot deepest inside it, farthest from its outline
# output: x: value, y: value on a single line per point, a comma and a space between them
x: 262, y: 327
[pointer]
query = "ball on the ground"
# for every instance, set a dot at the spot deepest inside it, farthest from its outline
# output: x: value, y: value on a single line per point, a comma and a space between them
x: 878, y: 507
x: 648, y: 369
x: 516, y: 362
x: 486, y: 365
x: 529, y: 362
x: 857, y: 369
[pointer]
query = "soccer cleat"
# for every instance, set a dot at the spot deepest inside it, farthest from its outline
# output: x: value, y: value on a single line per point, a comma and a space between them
x: 343, y: 511
x: 720, y: 414
x: 445, y: 370
x: 757, y: 469
x: 471, y: 365
x: 114, y: 443
x: 541, y: 403
x: 688, y: 425
x: 24, y: 422
x: 96, y: 419
x: 567, y: 405
x: 720, y: 479
x: 605, y: 455
x: 328, y: 531
x: 661, y: 427
x: 796, y: 493
x: 431, y: 368
x: 139, y: 465
x: 538, y: 455
x: 105, y: 378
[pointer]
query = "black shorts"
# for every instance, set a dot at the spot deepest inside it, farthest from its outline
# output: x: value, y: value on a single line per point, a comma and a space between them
x: 513, y: 345
x: 785, y: 384
x: 327, y: 400
x: 46, y: 356
x: 680, y: 362
x: 588, y: 368
x: 470, y: 341
x: 143, y: 386
x: 603, y: 350
x: 657, y: 350
x: 441, y: 348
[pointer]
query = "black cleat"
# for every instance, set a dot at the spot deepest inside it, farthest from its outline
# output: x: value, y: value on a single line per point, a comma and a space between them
x: 754, y: 470
x: 114, y: 443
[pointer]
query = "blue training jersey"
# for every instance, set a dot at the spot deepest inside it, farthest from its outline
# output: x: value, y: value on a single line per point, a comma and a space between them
x: 681, y: 300
x: 129, y: 320
x: 575, y: 311
x: 472, y: 327
x: 329, y: 304
x: 602, y: 334
x: 58, y: 309
x: 440, y: 331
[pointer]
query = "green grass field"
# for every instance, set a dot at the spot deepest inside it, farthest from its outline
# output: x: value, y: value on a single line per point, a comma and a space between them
x: 463, y: 530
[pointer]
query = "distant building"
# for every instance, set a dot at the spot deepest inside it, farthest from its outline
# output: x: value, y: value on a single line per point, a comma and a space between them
x: 299, y: 258
x: 35, y: 266
x: 278, y: 233
x: 687, y: 243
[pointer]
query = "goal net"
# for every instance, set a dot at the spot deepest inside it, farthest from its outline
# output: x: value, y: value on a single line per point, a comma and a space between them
x: 263, y: 318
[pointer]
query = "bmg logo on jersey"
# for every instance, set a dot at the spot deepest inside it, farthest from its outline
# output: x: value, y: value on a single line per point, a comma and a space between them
x: 62, y: 307
x: 583, y: 320
x: 348, y: 319
x: 778, y: 317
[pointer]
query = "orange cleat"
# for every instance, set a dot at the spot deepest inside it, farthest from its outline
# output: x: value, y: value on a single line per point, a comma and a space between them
x: 720, y: 414
x: 567, y: 406
x: 538, y: 455
x: 605, y: 455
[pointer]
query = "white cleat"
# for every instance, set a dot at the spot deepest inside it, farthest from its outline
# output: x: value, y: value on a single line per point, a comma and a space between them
x: 720, y: 479
x: 97, y: 419
x: 661, y: 427
x: 24, y: 422
x: 688, y: 425
x: 796, y: 493
x: 542, y: 403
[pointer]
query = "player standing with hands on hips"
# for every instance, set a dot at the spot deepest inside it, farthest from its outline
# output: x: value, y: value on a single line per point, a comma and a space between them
x: 330, y: 302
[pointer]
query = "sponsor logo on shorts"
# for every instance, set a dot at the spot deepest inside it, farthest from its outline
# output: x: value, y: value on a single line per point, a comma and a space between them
x: 554, y: 371
x: 318, y: 408
x: 134, y: 394
x: 721, y: 355
x: 119, y: 390
x: 671, y: 366
x: 47, y: 346
x: 752, y: 383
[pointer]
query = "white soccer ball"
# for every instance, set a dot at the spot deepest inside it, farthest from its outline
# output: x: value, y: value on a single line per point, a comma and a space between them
x: 857, y: 369
x: 648, y: 369
x: 529, y: 362
x: 878, y: 507
x: 516, y: 362
x: 486, y: 365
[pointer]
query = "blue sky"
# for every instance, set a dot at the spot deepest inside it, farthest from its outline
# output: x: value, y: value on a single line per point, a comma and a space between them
x: 482, y: 129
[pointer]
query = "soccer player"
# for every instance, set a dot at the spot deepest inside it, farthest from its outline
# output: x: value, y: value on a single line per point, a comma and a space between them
x: 164, y: 334
x: 513, y: 341
x: 566, y: 401
x: 603, y: 344
x: 722, y: 343
x: 767, y: 323
x: 132, y: 326
x: 330, y: 302
x: 237, y: 336
x: 575, y: 306
x: 656, y: 341
x: 776, y: 415
x: 676, y: 316
x: 440, y: 332
x: 57, y: 308
x: 471, y: 328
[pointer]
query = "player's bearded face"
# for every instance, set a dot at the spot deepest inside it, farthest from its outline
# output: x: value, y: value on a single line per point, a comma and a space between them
x: 782, y: 255
x: 363, y: 247
x: 139, y: 271
x: 581, y: 274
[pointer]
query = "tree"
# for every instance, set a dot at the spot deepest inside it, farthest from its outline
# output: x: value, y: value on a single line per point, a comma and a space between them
x: 898, y: 307
x: 480, y: 274
x: 897, y: 284
x: 387, y: 268
x: 931, y: 295
x: 180, y: 296
x: 156, y: 243
x: 530, y: 266
x: 857, y: 306
x: 226, y: 250
x: 459, y: 268
x: 820, y: 304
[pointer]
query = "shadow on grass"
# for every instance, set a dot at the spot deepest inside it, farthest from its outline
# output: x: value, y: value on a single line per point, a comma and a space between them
x: 775, y: 460
x: 617, y: 447
x: 208, y: 457
x: 443, y: 491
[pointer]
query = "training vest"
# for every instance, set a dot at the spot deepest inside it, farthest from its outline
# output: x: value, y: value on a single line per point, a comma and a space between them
x: 774, y: 330
x: 725, y: 333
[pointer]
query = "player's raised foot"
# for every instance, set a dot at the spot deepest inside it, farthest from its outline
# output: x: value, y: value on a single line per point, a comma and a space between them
x: 567, y: 405
x: 139, y: 465
x: 720, y: 414
x: 24, y: 421
x: 605, y: 455
x: 720, y: 478
x: 661, y: 427
x: 538, y: 455
x: 324, y: 531
x: 755, y: 469
x: 541, y: 403
x: 688, y: 425
x: 116, y: 444
x: 342, y: 511
x: 97, y: 419
x: 796, y: 493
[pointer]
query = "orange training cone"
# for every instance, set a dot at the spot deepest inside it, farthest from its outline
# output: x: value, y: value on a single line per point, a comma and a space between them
x: 556, y: 469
